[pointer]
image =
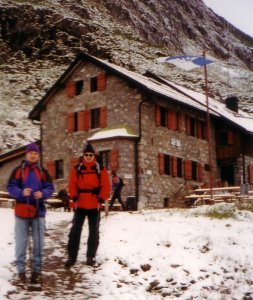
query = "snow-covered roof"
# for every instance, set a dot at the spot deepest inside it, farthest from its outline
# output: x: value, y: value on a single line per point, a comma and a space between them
x: 189, y: 97
x: 162, y: 87
x: 112, y: 133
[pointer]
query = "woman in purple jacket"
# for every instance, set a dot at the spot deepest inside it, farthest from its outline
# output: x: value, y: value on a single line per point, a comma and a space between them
x: 30, y: 185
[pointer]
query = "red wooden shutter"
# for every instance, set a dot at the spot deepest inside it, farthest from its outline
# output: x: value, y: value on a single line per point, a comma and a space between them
x: 71, y: 88
x: 103, y: 117
x: 80, y: 121
x: 73, y: 163
x: 179, y: 121
x: 200, y: 172
x: 250, y: 174
x: 114, y: 160
x: 174, y: 166
x: 161, y: 163
x: 101, y: 82
x: 172, y: 120
x: 51, y: 168
x: 230, y: 137
x: 187, y: 125
x: 70, y: 122
x: 188, y: 169
x: 157, y: 115
x: 86, y: 120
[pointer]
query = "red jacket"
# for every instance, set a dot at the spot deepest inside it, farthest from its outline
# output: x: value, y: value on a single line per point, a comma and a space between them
x: 87, y: 184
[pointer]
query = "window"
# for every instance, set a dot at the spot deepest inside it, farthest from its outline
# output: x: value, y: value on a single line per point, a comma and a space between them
x: 167, y: 164
x: 179, y: 167
x: 55, y: 169
x: 194, y: 170
x: 223, y: 139
x: 195, y: 127
x: 74, y: 88
x: 93, y: 84
x: 95, y: 117
x: 59, y: 169
x: 87, y: 119
x: 168, y: 118
x: 79, y: 87
x: 192, y: 127
x: 163, y: 113
x: 98, y: 83
x: 105, y: 158
x: 226, y: 138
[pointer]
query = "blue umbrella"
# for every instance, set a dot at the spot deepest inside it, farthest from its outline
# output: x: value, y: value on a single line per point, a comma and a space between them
x: 186, y: 62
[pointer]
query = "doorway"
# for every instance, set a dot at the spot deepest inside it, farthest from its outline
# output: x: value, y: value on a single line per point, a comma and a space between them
x: 227, y: 174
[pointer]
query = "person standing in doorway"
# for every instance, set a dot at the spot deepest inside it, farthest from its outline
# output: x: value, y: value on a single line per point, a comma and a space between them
x: 117, y: 185
x: 30, y: 185
x: 89, y: 188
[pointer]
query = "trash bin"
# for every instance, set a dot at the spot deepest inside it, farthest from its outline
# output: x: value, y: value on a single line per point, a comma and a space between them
x: 130, y: 204
x: 166, y: 202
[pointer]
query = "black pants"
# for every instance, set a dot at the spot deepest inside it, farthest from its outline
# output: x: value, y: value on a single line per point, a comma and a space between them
x: 76, y: 230
x: 117, y: 195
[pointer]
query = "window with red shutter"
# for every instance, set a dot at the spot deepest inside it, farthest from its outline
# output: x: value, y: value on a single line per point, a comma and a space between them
x: 157, y: 115
x: 51, y: 168
x: 161, y: 163
x: 70, y: 122
x: 250, y: 174
x: 103, y: 117
x: 114, y: 160
x: 188, y: 169
x: 71, y: 88
x: 101, y: 82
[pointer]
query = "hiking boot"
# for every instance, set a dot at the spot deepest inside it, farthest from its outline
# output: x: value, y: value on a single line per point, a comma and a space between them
x: 90, y: 261
x: 69, y: 263
x: 36, y: 277
x: 22, y: 277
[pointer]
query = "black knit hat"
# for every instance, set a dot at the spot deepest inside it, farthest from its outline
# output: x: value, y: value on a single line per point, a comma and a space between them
x: 88, y: 148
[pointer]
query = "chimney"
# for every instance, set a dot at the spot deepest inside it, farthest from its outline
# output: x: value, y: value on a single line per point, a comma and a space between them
x: 232, y: 103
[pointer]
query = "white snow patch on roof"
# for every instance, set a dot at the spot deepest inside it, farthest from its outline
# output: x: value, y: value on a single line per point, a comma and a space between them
x: 105, y: 134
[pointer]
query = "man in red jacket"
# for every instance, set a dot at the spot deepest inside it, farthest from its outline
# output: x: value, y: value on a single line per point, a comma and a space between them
x: 89, y: 187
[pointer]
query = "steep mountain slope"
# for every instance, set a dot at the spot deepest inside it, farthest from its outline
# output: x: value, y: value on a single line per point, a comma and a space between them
x: 40, y: 38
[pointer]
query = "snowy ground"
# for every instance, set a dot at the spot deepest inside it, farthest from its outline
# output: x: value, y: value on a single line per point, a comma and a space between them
x: 161, y: 254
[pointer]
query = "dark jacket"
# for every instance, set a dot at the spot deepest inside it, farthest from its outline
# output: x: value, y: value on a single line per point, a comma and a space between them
x: 36, y: 178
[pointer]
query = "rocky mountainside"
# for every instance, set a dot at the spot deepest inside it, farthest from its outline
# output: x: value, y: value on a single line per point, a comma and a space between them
x: 40, y: 38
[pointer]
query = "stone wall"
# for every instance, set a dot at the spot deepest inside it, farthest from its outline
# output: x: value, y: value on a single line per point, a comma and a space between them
x: 6, y: 169
x: 157, y: 139
x: 122, y: 109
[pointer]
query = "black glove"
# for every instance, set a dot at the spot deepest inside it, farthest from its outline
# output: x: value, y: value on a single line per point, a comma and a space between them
x: 101, y: 200
x: 96, y: 191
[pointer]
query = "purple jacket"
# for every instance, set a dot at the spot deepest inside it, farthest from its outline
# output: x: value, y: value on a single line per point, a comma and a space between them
x: 36, y: 178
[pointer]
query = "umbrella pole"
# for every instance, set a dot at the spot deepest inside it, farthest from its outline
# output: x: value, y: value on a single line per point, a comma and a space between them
x: 209, y: 139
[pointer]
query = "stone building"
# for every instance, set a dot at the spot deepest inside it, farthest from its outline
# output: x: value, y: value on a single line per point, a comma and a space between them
x: 151, y: 131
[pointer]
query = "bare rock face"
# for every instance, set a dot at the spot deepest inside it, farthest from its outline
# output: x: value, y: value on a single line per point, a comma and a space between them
x: 39, y: 39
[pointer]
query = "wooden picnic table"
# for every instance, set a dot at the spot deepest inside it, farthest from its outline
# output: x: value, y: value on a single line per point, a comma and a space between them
x: 218, y: 194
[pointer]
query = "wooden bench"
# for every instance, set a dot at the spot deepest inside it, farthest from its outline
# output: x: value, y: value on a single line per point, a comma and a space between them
x: 215, y: 195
